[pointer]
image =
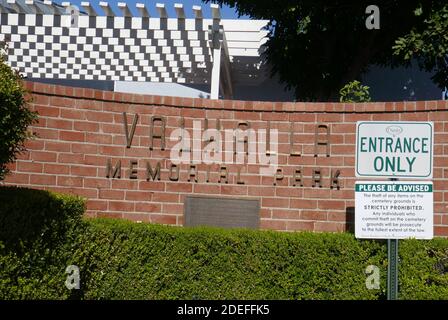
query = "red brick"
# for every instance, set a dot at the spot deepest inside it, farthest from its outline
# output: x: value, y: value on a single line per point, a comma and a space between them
x: 121, y: 206
x: 303, y: 204
x: 165, y: 197
x: 47, y: 111
x: 97, y: 205
x: 137, y: 217
x: 19, y: 178
x: 441, y: 231
x: 148, y: 207
x: 313, y: 215
x: 285, y: 214
x: 99, y: 183
x: 207, y: 188
x: 39, y: 99
x: 83, y: 171
x: 152, y: 185
x: 59, y: 124
x: 53, y: 168
x: 172, y: 208
x: 73, y: 114
x: 43, y: 156
x: 137, y: 195
x: 69, y: 181
x: 112, y: 194
x: 331, y: 204
x: 43, y: 179
x: 163, y: 219
x: 329, y: 227
x: 273, y: 224
x: 57, y: 146
x: 72, y: 136
x: 70, y: 158
x: 179, y: 187
x: 299, y: 225
x: 233, y: 190
x: 29, y: 167
x: 86, y: 126
x: 275, y: 202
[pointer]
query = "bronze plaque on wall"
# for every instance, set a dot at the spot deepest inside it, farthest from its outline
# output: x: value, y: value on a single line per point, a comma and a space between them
x: 221, y: 212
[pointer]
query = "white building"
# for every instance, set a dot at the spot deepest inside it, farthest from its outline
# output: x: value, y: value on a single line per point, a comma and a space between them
x: 186, y: 55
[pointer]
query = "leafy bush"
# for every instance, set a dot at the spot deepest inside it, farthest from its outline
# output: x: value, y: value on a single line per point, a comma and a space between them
x: 37, y: 231
x: 354, y: 92
x: 424, y: 269
x: 41, y: 233
x: 209, y: 263
x: 15, y: 117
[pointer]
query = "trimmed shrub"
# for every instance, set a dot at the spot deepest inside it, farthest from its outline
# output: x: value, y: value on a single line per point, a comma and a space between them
x: 41, y: 233
x: 15, y: 117
x: 144, y: 261
x: 37, y: 231
x: 424, y: 269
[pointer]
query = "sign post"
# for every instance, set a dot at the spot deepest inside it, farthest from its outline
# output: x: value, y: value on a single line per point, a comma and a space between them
x: 394, y: 210
x: 392, y: 269
x: 392, y: 266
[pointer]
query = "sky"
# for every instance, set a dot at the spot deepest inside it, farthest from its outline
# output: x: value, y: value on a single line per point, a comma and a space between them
x: 226, y: 12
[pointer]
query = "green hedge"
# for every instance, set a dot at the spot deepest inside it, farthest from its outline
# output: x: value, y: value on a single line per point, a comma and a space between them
x: 41, y: 233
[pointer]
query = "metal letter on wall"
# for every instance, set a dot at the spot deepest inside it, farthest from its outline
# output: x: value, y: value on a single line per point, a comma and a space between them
x: 223, y: 174
x: 172, y: 176
x: 317, y: 178
x: 238, y: 176
x: 132, y: 169
x: 318, y: 142
x: 221, y: 212
x: 150, y: 173
x: 161, y: 136
x: 245, y: 140
x: 268, y: 139
x: 291, y: 142
x: 185, y: 147
x: 126, y: 129
x: 193, y: 173
x: 297, y: 178
x: 334, y: 179
x: 278, y: 176
x: 116, y: 172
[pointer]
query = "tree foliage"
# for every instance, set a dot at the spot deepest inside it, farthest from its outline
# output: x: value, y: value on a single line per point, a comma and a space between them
x: 354, y: 92
x: 428, y: 45
x: 15, y: 117
x: 318, y: 46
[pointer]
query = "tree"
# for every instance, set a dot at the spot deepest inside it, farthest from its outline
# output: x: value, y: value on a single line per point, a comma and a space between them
x: 428, y: 45
x: 354, y: 92
x: 15, y: 117
x: 318, y: 46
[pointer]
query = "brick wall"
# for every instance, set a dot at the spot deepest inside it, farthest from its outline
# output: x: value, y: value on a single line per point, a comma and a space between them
x: 80, y: 129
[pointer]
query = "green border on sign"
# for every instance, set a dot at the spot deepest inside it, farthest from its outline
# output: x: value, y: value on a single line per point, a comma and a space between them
x: 398, y: 123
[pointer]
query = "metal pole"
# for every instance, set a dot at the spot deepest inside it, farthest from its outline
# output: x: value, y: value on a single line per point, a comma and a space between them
x: 392, y: 266
x: 392, y: 269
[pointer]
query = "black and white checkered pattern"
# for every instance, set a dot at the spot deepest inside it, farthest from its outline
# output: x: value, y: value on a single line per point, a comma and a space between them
x: 108, y: 48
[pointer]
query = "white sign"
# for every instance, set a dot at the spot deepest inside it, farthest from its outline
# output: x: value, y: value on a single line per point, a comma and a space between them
x: 393, y: 210
x: 394, y: 149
